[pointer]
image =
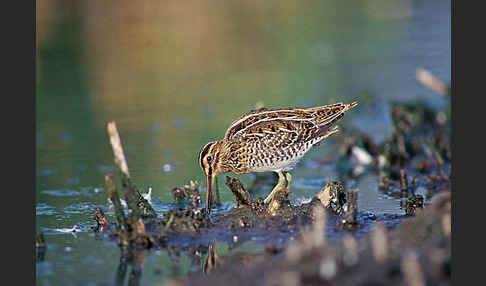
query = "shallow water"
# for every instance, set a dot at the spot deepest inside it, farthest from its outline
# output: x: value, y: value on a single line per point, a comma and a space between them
x: 367, y: 52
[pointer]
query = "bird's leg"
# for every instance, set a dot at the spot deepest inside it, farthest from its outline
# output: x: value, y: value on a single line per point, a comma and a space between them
x: 289, y: 180
x: 280, y: 184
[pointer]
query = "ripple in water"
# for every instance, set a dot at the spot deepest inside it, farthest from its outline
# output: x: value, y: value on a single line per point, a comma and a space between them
x: 61, y: 193
x: 44, y: 209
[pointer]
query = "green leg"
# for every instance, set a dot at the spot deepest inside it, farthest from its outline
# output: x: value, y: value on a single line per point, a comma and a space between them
x: 289, y: 180
x: 280, y: 185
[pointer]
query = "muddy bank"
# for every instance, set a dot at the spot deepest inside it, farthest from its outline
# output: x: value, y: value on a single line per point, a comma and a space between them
x: 416, y: 253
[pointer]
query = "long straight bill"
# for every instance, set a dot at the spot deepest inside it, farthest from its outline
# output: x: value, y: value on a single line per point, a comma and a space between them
x: 209, y: 191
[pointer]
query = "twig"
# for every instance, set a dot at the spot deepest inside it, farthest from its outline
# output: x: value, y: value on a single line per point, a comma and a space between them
x: 116, y: 145
x: 132, y: 196
x: 430, y: 81
x: 121, y: 223
x: 242, y: 195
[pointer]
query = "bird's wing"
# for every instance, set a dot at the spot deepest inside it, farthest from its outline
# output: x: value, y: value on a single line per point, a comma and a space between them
x: 286, y: 126
x: 277, y: 128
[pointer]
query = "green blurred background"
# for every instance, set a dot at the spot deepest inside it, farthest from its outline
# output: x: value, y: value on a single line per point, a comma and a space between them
x: 174, y: 74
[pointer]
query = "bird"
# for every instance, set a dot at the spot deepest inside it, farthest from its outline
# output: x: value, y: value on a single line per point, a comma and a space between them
x: 265, y: 140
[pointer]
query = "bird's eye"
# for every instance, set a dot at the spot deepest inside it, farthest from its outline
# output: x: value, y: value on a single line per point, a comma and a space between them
x: 208, y: 158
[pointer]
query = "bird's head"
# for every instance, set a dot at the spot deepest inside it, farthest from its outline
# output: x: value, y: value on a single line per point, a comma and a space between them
x: 209, y: 162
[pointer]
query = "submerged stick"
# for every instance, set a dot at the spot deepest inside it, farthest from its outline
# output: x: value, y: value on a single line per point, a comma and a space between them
x: 131, y: 194
x: 133, y: 197
x: 138, y: 261
x: 121, y: 271
x: 121, y: 223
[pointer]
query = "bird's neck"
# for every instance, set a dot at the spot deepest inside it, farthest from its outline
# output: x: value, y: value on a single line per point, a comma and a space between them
x: 228, y: 156
x: 219, y: 156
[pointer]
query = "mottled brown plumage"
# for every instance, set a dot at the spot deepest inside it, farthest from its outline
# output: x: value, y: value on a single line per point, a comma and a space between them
x: 269, y: 140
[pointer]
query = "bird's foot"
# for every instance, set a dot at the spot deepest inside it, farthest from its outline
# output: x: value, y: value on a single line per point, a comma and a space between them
x: 281, y: 186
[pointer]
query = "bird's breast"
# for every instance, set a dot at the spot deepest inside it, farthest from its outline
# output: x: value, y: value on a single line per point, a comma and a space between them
x: 277, y: 159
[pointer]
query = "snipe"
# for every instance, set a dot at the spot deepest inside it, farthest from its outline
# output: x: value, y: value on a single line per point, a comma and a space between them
x: 269, y: 140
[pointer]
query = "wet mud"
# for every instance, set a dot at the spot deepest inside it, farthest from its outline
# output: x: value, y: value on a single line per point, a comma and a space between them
x: 418, y: 252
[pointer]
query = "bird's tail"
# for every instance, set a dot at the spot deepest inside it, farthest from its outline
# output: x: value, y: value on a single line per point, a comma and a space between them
x: 331, y: 116
x: 349, y: 106
x: 328, y: 115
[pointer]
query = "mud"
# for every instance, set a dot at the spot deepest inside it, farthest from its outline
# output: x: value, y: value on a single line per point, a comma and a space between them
x: 415, y: 253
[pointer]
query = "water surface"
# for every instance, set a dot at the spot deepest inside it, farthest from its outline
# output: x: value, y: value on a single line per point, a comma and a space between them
x: 172, y: 86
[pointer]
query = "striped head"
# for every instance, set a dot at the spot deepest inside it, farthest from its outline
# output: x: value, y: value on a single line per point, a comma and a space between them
x: 208, y: 160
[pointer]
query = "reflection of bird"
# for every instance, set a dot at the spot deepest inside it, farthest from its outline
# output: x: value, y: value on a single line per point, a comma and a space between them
x: 212, y: 260
x: 269, y: 140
